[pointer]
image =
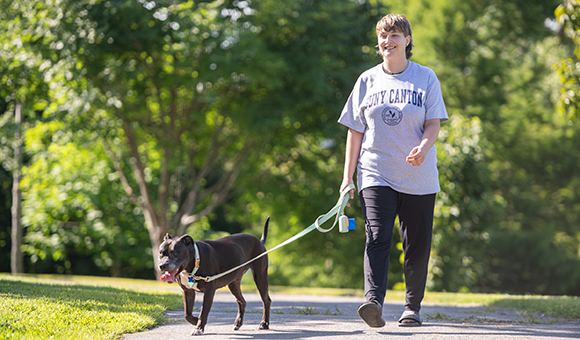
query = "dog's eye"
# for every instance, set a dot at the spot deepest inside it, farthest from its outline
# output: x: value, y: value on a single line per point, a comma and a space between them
x: 174, y: 253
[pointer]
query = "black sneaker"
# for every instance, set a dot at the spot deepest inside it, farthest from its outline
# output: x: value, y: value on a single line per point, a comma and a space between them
x: 372, y: 314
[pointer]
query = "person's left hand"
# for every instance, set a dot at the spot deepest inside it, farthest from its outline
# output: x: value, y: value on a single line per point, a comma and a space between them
x: 416, y: 156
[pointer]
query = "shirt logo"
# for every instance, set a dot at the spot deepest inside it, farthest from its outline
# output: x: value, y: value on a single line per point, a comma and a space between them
x: 392, y: 115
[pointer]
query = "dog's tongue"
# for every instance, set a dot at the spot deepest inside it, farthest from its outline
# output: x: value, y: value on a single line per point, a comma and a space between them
x: 168, y: 276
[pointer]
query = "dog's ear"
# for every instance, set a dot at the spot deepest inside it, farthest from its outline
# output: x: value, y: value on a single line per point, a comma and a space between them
x: 186, y: 239
x: 167, y: 237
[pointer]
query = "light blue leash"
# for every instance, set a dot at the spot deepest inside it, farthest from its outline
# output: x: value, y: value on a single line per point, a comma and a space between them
x: 336, y: 210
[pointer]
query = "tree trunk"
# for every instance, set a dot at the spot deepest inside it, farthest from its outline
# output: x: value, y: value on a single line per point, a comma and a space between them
x: 16, y: 259
x: 156, y: 235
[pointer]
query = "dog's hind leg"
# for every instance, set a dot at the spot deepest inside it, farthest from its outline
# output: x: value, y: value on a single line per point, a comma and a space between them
x: 237, y: 291
x: 260, y: 272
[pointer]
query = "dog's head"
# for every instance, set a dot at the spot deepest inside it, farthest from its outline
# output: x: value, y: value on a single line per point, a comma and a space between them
x: 174, y: 256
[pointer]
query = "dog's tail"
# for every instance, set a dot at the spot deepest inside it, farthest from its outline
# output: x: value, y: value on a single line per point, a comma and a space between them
x: 265, y: 231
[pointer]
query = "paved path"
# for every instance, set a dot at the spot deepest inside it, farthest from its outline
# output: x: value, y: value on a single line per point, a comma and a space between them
x: 335, y: 318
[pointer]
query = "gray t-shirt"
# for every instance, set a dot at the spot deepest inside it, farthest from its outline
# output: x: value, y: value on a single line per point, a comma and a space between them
x: 391, y: 111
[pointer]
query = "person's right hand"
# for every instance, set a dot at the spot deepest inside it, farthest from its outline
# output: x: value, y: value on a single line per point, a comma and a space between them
x: 345, y: 183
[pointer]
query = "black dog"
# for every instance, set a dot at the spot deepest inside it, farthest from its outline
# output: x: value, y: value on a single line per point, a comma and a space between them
x: 177, y: 255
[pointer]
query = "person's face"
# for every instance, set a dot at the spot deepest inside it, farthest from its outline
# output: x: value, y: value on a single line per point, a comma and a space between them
x: 392, y: 44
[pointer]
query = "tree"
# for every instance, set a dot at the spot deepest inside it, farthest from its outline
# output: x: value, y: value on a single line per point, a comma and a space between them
x: 175, y: 95
x: 33, y: 79
x: 300, y: 172
x: 16, y: 260
x: 534, y: 249
x: 23, y: 86
x: 155, y: 69
x: 79, y: 220
x: 188, y: 93
x: 494, y: 61
x: 5, y: 218
x: 568, y: 15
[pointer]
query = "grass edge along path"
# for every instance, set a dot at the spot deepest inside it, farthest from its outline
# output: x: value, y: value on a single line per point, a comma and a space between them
x: 85, y: 307
x: 39, y: 307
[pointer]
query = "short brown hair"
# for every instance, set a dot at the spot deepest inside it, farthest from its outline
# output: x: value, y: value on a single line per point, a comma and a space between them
x: 397, y: 23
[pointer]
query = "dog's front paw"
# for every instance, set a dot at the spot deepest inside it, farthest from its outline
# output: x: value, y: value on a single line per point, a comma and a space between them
x: 197, y: 331
x: 192, y: 319
x: 264, y: 325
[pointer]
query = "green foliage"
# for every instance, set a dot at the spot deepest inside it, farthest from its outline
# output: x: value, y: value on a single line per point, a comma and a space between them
x: 296, y: 179
x: 37, y: 310
x: 465, y: 207
x: 319, y: 63
x: 161, y: 83
x: 24, y: 79
x: 79, y: 219
x: 300, y: 189
x: 509, y: 190
x: 568, y: 15
x: 538, y: 240
x: 163, y: 106
x: 162, y: 79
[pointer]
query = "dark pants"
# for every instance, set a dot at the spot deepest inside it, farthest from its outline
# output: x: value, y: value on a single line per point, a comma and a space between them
x: 380, y: 206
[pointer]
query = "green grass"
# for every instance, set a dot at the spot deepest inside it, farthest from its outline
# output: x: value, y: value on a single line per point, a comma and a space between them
x: 315, y: 311
x: 84, y: 307
x: 559, y: 307
x: 41, y: 308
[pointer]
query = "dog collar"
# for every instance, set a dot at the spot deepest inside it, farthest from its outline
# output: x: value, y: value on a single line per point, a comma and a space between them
x: 191, y: 276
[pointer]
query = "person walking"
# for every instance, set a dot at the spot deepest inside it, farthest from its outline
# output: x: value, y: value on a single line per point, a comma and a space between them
x: 393, y: 116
